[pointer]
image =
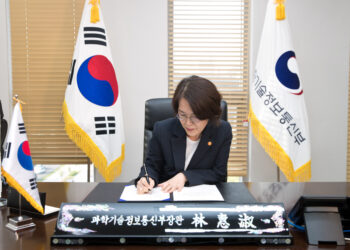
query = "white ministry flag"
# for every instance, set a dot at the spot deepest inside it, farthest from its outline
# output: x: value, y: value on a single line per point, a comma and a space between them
x: 92, y: 108
x: 277, y: 112
x: 17, y: 165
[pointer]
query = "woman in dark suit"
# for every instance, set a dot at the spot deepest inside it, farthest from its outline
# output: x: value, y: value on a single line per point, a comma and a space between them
x: 192, y: 148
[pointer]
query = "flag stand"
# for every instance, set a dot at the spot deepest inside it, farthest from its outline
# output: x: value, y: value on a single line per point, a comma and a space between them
x: 21, y: 222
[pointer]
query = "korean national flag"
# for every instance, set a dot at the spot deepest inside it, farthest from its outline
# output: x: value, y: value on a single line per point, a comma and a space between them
x: 17, y: 166
x: 92, y: 108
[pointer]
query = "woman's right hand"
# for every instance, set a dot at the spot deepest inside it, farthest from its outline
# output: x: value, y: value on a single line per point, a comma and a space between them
x: 143, y: 187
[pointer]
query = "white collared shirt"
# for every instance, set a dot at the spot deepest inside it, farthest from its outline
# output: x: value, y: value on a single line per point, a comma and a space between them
x: 191, y: 147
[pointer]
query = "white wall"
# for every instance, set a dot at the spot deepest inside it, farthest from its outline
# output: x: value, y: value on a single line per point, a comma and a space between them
x: 321, y: 36
x: 137, y: 30
x: 4, y: 56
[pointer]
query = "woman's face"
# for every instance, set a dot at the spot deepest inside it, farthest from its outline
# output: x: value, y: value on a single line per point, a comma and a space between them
x: 192, y: 125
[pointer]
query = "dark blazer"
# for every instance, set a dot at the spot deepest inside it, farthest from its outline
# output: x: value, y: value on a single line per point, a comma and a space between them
x: 166, y: 155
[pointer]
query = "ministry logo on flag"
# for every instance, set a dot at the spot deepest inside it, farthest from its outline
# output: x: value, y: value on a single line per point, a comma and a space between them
x: 92, y: 108
x: 287, y: 78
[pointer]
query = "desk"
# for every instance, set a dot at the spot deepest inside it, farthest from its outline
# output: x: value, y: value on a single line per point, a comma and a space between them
x: 39, y: 238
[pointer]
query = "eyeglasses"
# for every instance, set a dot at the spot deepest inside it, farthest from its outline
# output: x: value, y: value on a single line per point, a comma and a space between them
x: 184, y: 118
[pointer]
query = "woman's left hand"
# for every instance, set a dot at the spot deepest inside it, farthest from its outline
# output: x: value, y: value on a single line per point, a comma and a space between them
x: 175, y: 183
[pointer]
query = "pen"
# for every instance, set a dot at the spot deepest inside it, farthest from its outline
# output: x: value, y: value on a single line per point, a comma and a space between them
x: 146, y: 174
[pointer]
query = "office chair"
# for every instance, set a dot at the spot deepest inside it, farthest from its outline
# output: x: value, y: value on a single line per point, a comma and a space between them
x: 160, y: 109
x: 3, y: 130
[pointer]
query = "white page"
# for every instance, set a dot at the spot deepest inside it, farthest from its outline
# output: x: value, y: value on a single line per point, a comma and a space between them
x: 198, y: 193
x: 50, y: 209
x: 130, y: 194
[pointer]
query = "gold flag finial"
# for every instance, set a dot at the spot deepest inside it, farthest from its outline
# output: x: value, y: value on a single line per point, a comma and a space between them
x: 16, y: 99
x: 95, y: 14
x: 280, y: 10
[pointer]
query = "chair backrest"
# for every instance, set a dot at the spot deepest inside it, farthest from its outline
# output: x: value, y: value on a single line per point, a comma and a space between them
x: 158, y: 109
x: 3, y: 130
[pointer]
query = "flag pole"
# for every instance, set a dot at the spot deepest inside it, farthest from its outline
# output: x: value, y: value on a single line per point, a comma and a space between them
x: 88, y: 169
x: 280, y: 15
x: 20, y: 218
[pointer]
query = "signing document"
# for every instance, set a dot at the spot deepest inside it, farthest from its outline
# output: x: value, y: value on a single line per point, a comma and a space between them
x: 198, y: 193
x: 130, y: 194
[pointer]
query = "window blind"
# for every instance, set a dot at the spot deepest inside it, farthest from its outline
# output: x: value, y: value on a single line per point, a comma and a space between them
x: 43, y: 37
x: 209, y: 38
